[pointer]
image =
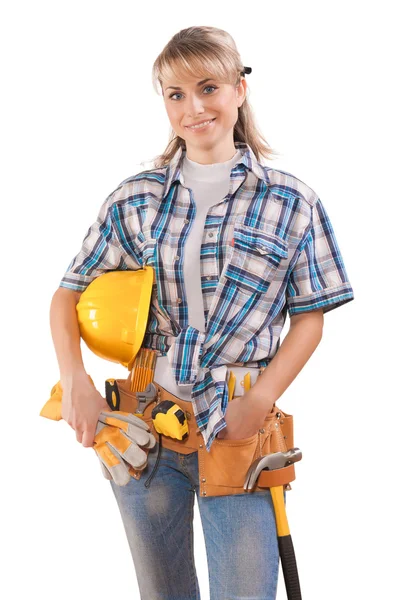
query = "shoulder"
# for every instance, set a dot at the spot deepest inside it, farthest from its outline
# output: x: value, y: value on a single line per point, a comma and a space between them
x: 285, y: 186
x: 136, y: 189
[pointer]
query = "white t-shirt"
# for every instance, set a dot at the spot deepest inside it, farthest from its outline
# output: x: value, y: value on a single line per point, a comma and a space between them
x: 209, y: 184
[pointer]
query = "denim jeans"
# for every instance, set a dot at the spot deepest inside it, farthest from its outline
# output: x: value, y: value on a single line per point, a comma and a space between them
x: 239, y: 532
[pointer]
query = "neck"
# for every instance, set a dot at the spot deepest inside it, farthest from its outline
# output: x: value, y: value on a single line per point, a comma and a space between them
x: 209, y: 155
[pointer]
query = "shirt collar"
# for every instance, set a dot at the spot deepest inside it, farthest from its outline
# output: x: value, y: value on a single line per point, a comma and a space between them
x: 248, y: 159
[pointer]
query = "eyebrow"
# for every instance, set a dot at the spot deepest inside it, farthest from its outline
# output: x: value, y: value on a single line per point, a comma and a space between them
x: 174, y: 87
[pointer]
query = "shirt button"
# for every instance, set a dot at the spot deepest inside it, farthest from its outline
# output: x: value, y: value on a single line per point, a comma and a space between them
x: 179, y: 300
x: 176, y: 257
x: 208, y: 277
x: 210, y: 234
x: 186, y: 220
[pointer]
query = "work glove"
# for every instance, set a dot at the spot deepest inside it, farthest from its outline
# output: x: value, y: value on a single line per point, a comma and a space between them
x: 119, y: 442
x: 119, y: 439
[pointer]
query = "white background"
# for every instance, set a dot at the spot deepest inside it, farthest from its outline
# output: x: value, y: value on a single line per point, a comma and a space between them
x: 333, y: 88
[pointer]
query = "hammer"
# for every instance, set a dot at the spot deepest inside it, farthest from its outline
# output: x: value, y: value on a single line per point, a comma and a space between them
x: 280, y: 468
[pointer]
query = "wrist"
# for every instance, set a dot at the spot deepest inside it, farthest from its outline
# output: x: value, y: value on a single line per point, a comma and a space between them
x: 69, y: 378
x: 260, y: 400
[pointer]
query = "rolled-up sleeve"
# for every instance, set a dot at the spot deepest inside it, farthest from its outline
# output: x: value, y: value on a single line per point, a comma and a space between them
x: 101, y: 251
x: 318, y: 278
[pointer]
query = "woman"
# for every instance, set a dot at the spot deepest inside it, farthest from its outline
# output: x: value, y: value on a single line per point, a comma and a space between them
x: 235, y: 246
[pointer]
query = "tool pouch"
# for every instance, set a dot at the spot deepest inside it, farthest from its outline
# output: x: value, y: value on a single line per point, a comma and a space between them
x: 223, y: 470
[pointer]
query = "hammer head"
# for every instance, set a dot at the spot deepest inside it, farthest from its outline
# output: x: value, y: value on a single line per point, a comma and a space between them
x: 271, y: 462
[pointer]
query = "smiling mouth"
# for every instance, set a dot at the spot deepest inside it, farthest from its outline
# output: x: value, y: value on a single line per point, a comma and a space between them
x: 199, y: 125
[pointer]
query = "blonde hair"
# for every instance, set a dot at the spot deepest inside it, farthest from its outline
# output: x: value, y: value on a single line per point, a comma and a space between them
x: 198, y: 52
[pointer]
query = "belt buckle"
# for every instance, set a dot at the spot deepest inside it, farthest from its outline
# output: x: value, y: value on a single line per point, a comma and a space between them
x: 146, y: 397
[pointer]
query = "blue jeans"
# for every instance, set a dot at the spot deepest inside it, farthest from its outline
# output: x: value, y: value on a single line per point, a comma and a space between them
x: 239, y: 531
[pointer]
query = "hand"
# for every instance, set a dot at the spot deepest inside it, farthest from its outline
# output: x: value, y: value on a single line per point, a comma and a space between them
x: 79, y: 403
x: 244, y: 416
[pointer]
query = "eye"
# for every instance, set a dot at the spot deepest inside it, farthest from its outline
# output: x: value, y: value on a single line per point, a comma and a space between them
x: 210, y: 86
x: 205, y: 88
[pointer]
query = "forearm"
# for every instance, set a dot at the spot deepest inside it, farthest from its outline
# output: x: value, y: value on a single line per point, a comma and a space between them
x: 294, y: 352
x: 66, y: 334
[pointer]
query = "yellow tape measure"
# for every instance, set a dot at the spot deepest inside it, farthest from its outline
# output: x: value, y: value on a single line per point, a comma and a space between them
x: 170, y: 420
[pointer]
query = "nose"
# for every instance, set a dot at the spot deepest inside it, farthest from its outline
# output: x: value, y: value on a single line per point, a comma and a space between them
x: 194, y: 106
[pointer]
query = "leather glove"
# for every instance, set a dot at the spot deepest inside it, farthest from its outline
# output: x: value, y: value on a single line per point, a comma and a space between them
x: 118, y: 442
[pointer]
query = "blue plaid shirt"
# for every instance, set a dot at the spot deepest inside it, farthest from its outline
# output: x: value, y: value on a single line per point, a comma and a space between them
x: 268, y: 248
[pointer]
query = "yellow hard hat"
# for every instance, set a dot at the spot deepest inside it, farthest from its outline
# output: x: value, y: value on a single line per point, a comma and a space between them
x: 113, y: 312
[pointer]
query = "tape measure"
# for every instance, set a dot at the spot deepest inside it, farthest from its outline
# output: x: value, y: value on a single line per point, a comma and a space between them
x: 170, y: 420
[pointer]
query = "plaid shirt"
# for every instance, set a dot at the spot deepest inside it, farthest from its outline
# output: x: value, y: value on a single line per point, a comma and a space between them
x: 268, y: 248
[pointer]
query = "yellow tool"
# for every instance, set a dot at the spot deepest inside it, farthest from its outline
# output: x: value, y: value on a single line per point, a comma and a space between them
x: 232, y: 382
x: 143, y: 369
x: 247, y: 382
x: 112, y: 394
x: 231, y: 385
x: 169, y: 419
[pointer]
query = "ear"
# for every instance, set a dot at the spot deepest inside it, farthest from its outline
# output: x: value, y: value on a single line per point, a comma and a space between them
x: 241, y: 91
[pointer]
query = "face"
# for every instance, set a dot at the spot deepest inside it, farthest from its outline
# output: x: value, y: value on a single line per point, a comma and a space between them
x: 196, y: 100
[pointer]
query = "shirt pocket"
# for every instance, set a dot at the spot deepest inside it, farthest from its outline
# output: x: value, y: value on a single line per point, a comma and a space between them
x: 256, y: 256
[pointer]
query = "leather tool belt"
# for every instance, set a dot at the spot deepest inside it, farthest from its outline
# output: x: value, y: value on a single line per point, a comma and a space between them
x: 222, y: 470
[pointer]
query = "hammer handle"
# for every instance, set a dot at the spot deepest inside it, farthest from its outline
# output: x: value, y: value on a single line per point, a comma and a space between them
x: 288, y: 563
x: 286, y: 550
